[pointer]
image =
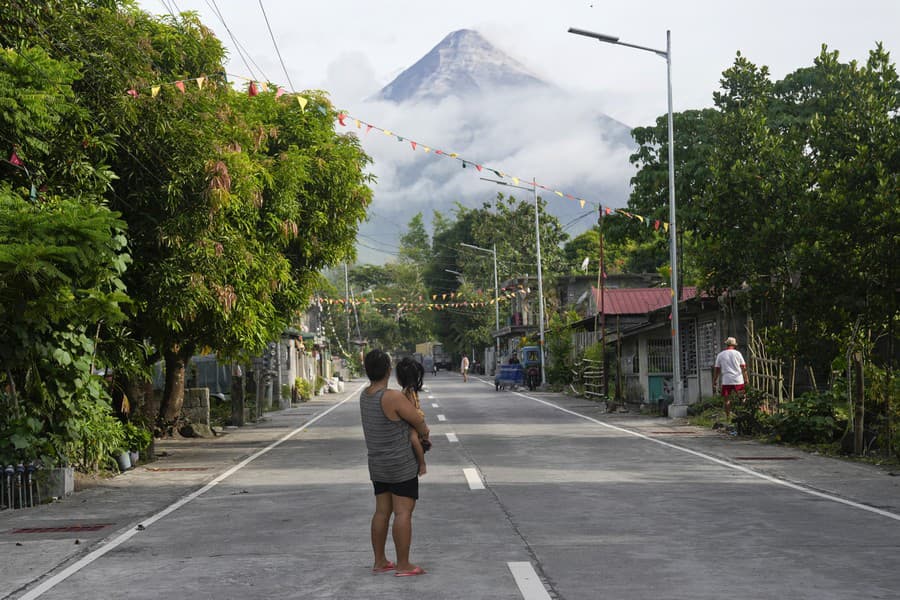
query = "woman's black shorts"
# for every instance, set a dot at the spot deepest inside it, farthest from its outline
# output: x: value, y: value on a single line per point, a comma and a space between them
x: 407, y: 489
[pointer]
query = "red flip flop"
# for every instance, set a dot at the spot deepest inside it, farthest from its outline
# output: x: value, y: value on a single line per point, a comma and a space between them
x: 388, y: 567
x: 413, y: 573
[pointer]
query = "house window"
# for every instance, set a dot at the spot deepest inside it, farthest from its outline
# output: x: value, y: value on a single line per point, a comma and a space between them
x: 688, y: 336
x: 707, y: 342
x: 659, y: 356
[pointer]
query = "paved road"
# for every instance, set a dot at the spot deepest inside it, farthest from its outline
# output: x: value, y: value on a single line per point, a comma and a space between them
x: 566, y: 504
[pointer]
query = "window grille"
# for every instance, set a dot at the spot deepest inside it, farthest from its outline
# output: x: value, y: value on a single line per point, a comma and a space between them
x: 707, y: 342
x: 659, y: 356
x: 688, y: 334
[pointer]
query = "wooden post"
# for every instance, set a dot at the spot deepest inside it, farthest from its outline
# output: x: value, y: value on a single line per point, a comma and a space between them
x: 237, y: 395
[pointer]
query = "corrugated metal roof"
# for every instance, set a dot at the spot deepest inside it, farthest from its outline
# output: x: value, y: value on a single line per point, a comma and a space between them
x: 637, y: 301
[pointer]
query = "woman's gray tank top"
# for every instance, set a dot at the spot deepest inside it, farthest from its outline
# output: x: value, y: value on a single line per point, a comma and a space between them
x: 391, y: 457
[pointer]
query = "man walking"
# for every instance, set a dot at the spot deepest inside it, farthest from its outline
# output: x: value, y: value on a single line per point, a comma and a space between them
x: 732, y: 369
x: 387, y: 417
x: 464, y: 367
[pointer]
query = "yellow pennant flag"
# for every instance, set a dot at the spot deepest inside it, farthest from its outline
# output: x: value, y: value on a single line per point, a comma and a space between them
x: 516, y: 180
x: 200, y: 81
x: 639, y: 218
x: 666, y: 227
x: 302, y: 102
x: 582, y: 203
x: 454, y: 154
x: 560, y: 194
x: 154, y: 91
x: 358, y: 126
x: 263, y: 86
x: 386, y: 131
x: 427, y: 149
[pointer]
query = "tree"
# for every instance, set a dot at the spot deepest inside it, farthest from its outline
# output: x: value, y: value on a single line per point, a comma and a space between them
x: 233, y: 203
x: 62, y: 256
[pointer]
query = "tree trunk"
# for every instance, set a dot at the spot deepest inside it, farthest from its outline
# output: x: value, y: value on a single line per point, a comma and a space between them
x: 173, y: 393
x: 860, y: 406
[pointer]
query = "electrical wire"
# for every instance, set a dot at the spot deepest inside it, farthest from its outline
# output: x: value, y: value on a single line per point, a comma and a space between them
x: 274, y: 43
x: 215, y: 8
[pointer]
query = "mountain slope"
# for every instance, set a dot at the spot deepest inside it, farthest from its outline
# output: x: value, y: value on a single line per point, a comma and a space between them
x: 461, y: 64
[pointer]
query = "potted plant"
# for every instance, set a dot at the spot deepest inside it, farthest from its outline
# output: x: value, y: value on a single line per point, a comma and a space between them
x: 137, y: 440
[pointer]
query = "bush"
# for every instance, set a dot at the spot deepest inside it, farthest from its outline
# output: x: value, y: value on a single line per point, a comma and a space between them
x: 809, y: 418
x: 137, y: 438
x: 304, y: 388
x: 748, y: 419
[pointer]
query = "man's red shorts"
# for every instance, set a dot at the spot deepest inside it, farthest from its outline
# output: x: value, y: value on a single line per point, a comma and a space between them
x: 727, y: 390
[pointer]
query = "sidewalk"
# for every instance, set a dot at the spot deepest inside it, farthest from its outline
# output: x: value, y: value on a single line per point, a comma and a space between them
x: 116, y: 505
x: 80, y: 523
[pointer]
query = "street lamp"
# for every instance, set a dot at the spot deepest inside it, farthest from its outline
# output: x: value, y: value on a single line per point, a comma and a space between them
x: 678, y: 409
x: 537, y: 233
x: 492, y: 251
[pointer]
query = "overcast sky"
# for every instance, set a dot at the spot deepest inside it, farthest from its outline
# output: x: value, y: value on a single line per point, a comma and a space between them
x: 352, y: 48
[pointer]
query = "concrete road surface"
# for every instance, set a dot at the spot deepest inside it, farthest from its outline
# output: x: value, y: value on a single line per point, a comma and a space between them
x: 528, y: 495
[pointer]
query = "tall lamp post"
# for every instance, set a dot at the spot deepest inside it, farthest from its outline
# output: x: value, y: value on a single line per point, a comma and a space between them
x: 678, y: 408
x: 537, y: 233
x: 492, y: 251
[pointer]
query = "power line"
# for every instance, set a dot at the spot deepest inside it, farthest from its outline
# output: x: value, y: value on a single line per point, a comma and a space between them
x: 237, y: 46
x: 274, y: 43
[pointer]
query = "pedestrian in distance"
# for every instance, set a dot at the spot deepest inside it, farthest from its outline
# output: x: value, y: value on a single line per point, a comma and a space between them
x: 464, y: 368
x: 410, y: 376
x: 732, y: 369
x: 388, y: 417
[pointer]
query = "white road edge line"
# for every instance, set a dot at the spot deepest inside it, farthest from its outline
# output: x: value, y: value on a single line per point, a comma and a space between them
x: 442, y: 418
x: 451, y: 437
x: 528, y: 581
x: 724, y: 463
x: 435, y: 405
x: 133, y: 530
x: 473, y: 479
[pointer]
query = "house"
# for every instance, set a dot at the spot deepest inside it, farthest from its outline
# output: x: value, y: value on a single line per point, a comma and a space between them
x: 641, y: 344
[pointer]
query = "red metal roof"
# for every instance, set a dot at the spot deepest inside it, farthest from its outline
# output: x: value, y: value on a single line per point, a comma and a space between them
x: 637, y: 301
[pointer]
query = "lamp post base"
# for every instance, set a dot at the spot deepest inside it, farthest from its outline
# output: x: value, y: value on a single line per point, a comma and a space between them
x: 678, y: 411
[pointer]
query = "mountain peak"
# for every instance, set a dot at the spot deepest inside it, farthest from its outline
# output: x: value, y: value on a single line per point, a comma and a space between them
x: 463, y: 63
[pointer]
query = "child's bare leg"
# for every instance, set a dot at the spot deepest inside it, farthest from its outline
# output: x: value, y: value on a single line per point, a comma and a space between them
x: 419, y: 451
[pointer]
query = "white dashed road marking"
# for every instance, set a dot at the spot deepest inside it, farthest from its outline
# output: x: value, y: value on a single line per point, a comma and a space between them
x: 442, y: 418
x: 451, y: 437
x: 528, y: 581
x: 474, y: 480
x: 435, y: 405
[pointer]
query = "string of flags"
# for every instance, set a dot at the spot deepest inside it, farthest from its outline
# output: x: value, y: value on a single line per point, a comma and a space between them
x: 345, y: 119
x: 438, y: 301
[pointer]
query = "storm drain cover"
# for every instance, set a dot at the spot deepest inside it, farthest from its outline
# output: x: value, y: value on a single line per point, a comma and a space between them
x: 62, y: 529
x: 766, y: 458
x: 161, y: 469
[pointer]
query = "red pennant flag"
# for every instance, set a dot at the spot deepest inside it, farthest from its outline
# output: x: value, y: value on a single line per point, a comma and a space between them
x: 478, y: 167
x: 180, y: 86
x: 279, y: 93
x: 341, y: 117
x: 14, y: 159
x: 133, y: 93
x: 369, y: 128
x: 413, y: 144
x: 656, y: 225
x: 252, y: 91
x: 438, y: 151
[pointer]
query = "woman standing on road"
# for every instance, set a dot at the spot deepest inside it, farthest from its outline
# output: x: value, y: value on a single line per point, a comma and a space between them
x: 387, y: 417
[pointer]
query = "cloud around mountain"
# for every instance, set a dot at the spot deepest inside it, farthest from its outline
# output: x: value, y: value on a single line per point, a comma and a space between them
x: 468, y: 97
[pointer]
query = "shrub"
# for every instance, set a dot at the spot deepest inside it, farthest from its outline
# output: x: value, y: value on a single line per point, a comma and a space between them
x: 748, y: 419
x: 304, y: 388
x: 137, y: 438
x: 809, y: 418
